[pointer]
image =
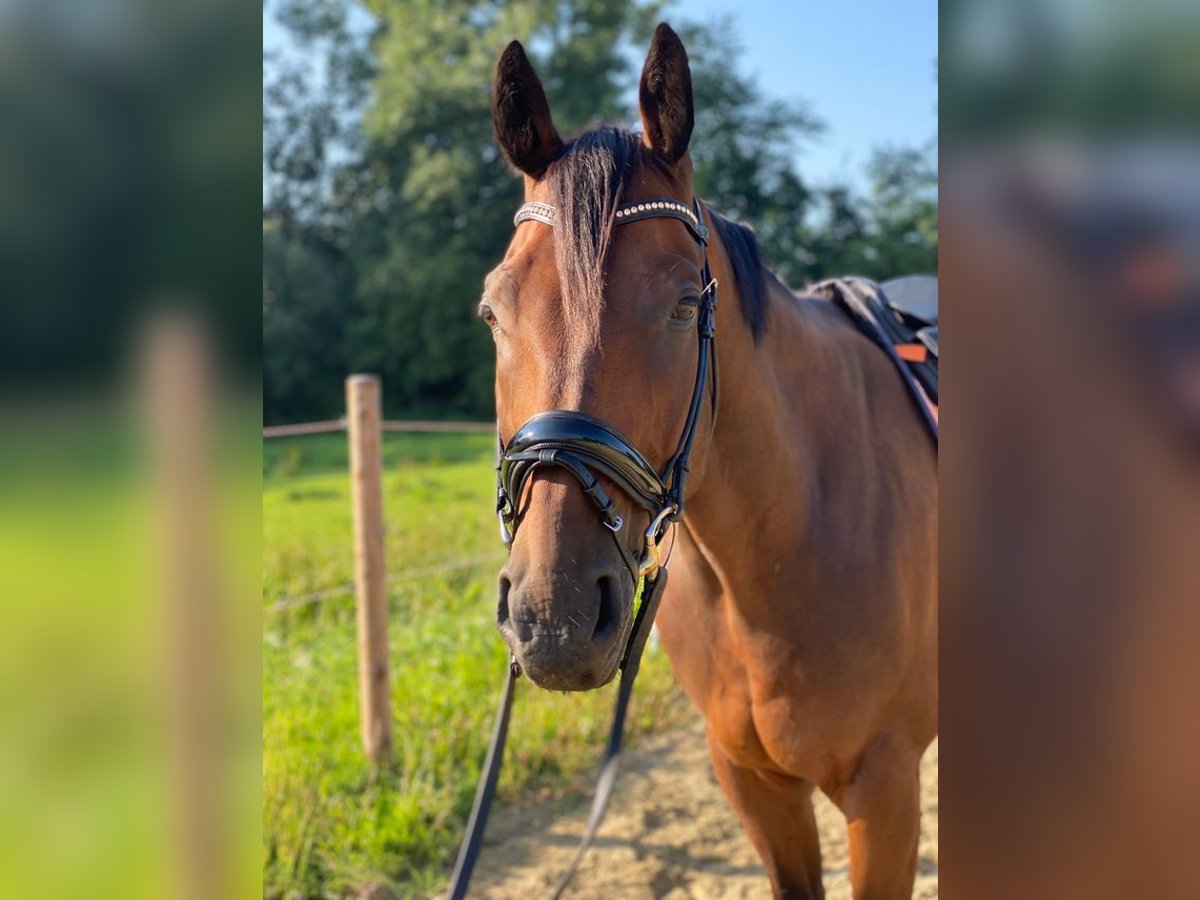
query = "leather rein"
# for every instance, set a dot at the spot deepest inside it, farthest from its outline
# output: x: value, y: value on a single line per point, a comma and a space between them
x: 590, y: 450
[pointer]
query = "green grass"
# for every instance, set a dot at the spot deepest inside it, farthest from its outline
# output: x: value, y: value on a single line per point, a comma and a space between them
x: 328, y: 826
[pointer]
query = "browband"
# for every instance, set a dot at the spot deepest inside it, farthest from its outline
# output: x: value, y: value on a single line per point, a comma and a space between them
x: 633, y: 211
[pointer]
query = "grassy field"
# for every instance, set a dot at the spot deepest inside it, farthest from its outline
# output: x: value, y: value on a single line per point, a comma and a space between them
x: 329, y: 828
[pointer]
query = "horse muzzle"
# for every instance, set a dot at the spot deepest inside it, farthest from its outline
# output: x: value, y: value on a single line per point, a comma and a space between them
x: 567, y: 633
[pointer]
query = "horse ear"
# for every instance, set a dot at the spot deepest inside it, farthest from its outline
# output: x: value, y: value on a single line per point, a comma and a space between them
x: 666, y: 96
x: 521, y: 116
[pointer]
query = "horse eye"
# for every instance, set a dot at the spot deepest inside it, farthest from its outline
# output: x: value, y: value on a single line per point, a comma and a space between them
x: 489, y: 317
x: 685, y: 310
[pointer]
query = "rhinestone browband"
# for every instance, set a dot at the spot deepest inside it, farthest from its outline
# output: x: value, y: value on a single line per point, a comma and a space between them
x: 629, y: 212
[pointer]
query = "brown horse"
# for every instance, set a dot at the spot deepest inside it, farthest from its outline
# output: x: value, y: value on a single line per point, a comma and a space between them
x: 801, y: 615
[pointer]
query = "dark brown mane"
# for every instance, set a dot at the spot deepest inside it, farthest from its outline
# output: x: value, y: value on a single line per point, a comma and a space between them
x: 587, y: 182
x: 749, y: 274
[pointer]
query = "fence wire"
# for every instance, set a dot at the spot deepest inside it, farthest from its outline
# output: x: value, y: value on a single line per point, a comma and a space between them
x: 275, y: 431
x: 414, y: 574
x: 396, y: 425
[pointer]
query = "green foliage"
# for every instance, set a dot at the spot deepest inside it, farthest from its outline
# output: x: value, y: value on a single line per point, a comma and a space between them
x: 305, y: 281
x: 328, y: 827
x: 904, y: 212
x: 441, y: 196
x: 405, y: 227
x: 744, y: 152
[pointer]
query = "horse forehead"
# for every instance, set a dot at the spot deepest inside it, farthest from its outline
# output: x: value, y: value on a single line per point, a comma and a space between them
x: 652, y: 250
x: 530, y: 277
x: 529, y: 273
x: 640, y: 265
x: 646, y: 259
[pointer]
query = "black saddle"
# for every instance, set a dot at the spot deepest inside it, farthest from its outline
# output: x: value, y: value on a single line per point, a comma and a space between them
x: 900, y: 315
x: 916, y: 295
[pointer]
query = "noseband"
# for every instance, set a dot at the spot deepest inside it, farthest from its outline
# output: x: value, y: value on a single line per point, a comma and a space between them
x: 587, y: 447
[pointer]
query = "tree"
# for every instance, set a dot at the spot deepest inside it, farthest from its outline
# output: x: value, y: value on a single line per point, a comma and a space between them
x: 434, y: 209
x: 746, y: 149
x: 903, y: 209
x: 313, y: 92
x: 386, y: 202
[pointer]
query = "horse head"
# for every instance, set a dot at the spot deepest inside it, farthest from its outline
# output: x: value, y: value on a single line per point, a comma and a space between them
x: 596, y: 327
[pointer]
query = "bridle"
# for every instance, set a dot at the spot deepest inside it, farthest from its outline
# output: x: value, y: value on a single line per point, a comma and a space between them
x: 590, y: 449
x: 587, y: 447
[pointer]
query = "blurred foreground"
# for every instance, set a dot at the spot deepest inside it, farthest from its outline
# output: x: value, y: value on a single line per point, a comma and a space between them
x: 1070, y: 210
x: 1070, y: 618
x: 129, y: 708
x: 129, y: 476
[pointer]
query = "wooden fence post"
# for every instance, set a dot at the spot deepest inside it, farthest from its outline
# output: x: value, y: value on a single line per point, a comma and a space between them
x: 363, y: 418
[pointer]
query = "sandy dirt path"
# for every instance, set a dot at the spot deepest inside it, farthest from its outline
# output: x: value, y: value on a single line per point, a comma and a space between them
x: 669, y: 835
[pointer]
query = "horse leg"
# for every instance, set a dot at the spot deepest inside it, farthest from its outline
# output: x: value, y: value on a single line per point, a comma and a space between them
x: 777, y: 814
x: 881, y: 800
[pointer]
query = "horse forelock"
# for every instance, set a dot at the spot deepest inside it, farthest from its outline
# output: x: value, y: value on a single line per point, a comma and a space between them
x: 587, y: 182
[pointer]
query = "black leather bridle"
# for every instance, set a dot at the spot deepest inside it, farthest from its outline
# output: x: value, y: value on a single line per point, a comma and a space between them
x: 590, y: 450
x: 587, y: 447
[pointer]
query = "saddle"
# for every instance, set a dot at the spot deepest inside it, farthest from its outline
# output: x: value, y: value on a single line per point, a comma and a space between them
x: 901, y: 317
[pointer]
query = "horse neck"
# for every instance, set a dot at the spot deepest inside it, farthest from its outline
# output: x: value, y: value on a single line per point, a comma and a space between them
x: 758, y: 475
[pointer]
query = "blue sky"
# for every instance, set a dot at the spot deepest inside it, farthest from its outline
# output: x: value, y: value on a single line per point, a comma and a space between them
x: 866, y: 67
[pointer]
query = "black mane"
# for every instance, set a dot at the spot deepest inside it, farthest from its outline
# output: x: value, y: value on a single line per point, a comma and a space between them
x: 749, y: 274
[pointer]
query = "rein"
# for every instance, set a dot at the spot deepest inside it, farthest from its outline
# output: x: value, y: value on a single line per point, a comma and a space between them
x: 590, y: 449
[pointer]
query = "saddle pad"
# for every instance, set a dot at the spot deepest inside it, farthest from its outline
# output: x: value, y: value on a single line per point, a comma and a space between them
x: 910, y: 341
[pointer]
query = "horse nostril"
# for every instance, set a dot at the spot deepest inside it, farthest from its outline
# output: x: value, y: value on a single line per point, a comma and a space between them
x: 606, y: 616
x: 502, y: 607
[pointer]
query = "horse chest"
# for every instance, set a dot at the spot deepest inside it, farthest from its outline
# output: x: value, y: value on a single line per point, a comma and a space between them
x: 755, y: 703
